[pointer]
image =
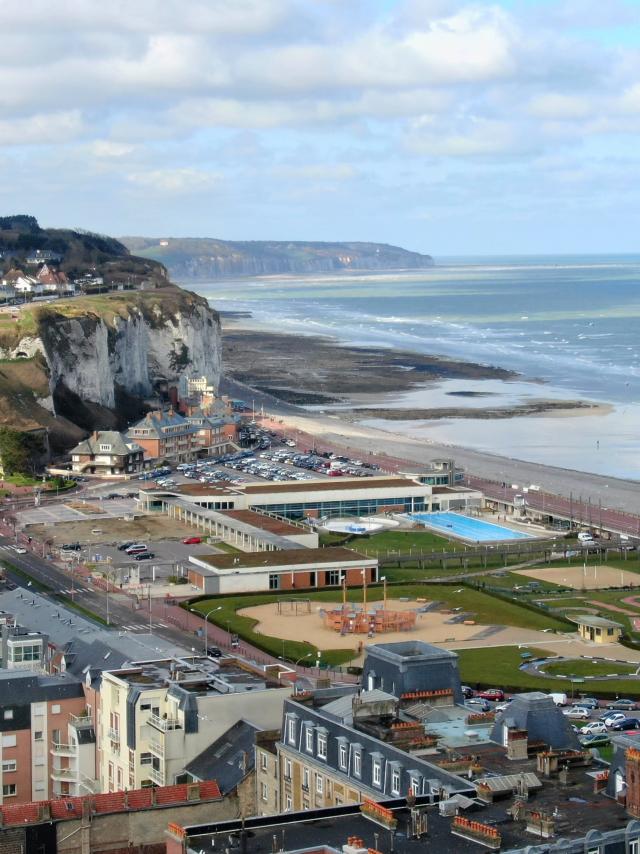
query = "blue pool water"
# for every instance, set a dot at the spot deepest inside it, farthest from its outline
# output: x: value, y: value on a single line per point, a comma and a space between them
x: 467, y: 528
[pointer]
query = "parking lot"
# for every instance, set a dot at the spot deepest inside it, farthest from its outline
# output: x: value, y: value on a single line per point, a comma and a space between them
x: 168, y: 552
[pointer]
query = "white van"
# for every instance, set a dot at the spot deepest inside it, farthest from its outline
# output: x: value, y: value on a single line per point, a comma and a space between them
x: 585, y: 537
x: 559, y: 699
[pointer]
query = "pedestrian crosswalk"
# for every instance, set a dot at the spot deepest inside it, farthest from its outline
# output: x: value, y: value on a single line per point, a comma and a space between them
x: 143, y: 627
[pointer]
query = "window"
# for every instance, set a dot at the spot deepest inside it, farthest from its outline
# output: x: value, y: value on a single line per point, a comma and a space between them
x: 8, y: 765
x: 263, y: 761
x: 308, y: 737
x: 634, y: 846
x: 145, y: 758
x: 288, y: 804
x: 19, y: 653
x: 377, y: 772
x: 9, y: 790
x: 55, y: 709
x: 342, y: 756
x: 322, y: 745
x: 8, y: 714
x: 395, y: 782
x: 287, y: 769
x: 319, y: 784
x: 291, y: 731
x: 265, y: 792
x: 305, y: 778
x: 274, y: 581
x: 414, y: 783
x: 10, y: 740
x: 332, y: 577
x: 357, y: 763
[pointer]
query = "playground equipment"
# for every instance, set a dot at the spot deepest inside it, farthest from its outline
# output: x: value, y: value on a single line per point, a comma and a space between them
x: 353, y: 619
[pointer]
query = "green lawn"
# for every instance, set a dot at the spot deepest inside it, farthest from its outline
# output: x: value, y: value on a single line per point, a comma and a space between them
x: 485, y: 609
x: 498, y: 667
x: 584, y: 667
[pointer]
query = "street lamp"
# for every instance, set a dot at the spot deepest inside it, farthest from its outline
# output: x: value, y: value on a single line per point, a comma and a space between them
x: 302, y: 659
x: 206, y: 617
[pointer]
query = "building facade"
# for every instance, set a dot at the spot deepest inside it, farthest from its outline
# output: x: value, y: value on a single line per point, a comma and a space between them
x: 106, y: 453
x: 166, y: 435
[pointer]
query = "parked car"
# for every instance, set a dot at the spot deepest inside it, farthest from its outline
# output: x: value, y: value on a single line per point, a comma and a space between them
x: 192, y: 541
x: 71, y: 547
x: 136, y: 548
x: 144, y: 556
x: 214, y: 651
x: 477, y: 704
x: 466, y: 691
x: 626, y: 705
x: 627, y: 723
x: 596, y: 740
x: 594, y: 728
x: 578, y: 712
x: 19, y: 550
x: 124, y: 546
x: 587, y: 702
x: 494, y: 694
x: 612, y: 718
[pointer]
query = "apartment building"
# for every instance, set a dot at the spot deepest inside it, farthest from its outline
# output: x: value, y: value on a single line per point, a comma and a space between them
x: 36, y: 713
x: 156, y: 717
x: 339, y: 746
x: 166, y: 435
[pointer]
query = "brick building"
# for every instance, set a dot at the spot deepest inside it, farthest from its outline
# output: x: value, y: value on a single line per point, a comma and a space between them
x: 166, y: 435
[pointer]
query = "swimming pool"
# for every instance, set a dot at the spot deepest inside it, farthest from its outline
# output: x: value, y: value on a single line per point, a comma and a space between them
x: 468, y: 528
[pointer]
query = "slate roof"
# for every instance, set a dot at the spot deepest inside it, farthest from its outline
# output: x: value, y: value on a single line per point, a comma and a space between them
x: 229, y: 759
x: 21, y: 688
x: 539, y: 715
x: 157, y: 422
x: 91, y: 445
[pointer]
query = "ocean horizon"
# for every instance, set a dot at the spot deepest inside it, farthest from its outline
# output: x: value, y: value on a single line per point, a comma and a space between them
x: 566, y: 323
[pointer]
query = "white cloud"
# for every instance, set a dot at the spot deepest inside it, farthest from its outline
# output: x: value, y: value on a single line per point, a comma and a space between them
x: 558, y: 106
x: 175, y: 181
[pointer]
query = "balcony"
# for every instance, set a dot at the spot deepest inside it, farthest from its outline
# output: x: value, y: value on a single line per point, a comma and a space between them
x: 81, y: 721
x: 67, y: 774
x: 114, y: 735
x: 157, y: 776
x: 157, y: 749
x: 163, y: 724
x: 63, y: 750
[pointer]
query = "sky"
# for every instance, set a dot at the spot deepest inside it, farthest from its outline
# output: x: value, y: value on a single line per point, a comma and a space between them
x: 444, y: 126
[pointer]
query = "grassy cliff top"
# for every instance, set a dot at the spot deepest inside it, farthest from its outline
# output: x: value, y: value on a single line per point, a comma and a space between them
x: 154, y: 305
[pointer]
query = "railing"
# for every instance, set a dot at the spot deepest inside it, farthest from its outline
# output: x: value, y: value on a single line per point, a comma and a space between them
x: 157, y: 748
x: 64, y: 774
x: 114, y: 735
x: 63, y: 750
x: 81, y: 720
x: 157, y: 776
x: 164, y: 724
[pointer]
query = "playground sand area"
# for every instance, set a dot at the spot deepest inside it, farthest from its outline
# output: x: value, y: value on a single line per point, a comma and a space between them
x: 432, y: 626
x: 591, y: 578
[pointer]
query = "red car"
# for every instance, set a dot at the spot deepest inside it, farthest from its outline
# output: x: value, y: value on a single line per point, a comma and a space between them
x: 496, y: 694
x: 192, y: 541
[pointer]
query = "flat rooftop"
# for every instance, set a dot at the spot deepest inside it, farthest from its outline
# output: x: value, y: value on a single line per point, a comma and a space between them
x: 292, y: 557
x: 265, y: 523
x: 341, y: 484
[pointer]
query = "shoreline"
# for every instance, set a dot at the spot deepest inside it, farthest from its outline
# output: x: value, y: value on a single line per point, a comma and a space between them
x: 334, y: 426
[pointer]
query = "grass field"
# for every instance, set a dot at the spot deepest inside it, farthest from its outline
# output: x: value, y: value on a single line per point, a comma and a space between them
x: 498, y: 667
x: 583, y: 667
x: 401, y: 542
x: 486, y: 609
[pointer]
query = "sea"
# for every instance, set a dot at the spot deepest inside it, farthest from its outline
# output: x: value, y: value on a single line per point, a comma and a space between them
x: 569, y: 325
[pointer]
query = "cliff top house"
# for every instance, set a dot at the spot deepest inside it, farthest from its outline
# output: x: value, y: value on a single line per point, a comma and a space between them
x: 166, y: 435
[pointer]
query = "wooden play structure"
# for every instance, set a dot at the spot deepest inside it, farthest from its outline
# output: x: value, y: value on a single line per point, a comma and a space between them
x: 355, y: 619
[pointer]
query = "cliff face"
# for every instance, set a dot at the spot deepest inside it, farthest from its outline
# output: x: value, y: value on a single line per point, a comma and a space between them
x: 100, y: 348
x: 204, y: 258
